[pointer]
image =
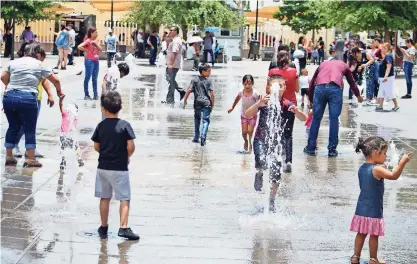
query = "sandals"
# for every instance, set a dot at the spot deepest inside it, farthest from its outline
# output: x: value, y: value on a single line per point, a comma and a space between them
x: 355, y: 259
x: 376, y: 261
x: 395, y: 109
x: 32, y: 164
x: 10, y: 161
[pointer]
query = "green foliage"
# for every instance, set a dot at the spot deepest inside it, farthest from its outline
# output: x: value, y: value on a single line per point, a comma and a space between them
x: 380, y: 16
x: 185, y: 13
x: 26, y: 11
x: 301, y: 16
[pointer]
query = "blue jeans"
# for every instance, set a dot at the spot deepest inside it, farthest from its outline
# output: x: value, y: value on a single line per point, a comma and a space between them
x: 21, y: 109
x: 203, y: 113
x: 22, y: 130
x: 323, y: 95
x: 408, y: 71
x: 152, y: 56
x: 91, y: 69
x: 71, y: 56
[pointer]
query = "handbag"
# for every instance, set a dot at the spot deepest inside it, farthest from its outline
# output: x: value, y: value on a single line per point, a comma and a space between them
x: 298, y: 54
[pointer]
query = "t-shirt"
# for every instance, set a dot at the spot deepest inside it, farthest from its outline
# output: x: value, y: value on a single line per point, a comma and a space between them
x: 111, y: 43
x: 112, y: 80
x: 72, y: 37
x: 112, y: 134
x: 26, y: 73
x: 411, y: 51
x: 92, y: 50
x: 304, y: 82
x: 175, y: 46
x: 291, y: 76
x: 190, y: 53
x: 383, y: 66
x: 248, y: 101
x: 201, y: 87
x: 262, y: 130
x: 208, y: 43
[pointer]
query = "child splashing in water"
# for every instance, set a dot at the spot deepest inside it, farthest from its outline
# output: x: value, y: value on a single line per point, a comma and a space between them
x: 68, y: 132
x: 266, y: 142
x: 249, y: 97
x: 368, y: 218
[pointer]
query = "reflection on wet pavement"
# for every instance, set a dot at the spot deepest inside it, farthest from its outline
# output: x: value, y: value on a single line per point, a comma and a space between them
x: 197, y: 205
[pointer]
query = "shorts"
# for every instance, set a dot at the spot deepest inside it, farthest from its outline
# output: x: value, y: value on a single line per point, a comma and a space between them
x: 109, y: 180
x: 304, y: 91
x: 249, y: 121
x: 386, y: 89
x: 68, y: 143
x: 260, y: 149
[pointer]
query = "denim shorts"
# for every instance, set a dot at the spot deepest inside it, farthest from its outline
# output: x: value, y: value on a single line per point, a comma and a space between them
x: 263, y: 160
x: 109, y: 180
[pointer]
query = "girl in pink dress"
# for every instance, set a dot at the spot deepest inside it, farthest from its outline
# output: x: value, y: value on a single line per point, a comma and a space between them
x: 68, y: 135
x: 249, y: 97
x: 368, y: 218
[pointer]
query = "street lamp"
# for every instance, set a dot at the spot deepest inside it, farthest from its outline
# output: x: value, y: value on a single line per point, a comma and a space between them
x: 111, y: 15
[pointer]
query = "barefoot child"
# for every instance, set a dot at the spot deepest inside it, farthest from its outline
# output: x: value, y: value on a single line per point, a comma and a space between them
x: 202, y: 87
x: 113, y: 139
x: 368, y: 218
x: 267, y: 146
x: 68, y: 137
x: 249, y: 97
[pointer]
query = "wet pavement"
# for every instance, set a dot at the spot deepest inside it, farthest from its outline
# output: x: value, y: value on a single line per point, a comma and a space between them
x: 197, y: 205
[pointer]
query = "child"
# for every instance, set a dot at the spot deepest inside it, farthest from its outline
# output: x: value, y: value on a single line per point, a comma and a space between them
x: 111, y: 80
x: 267, y: 146
x: 368, y: 217
x: 202, y: 87
x: 249, y: 97
x: 304, y: 83
x: 68, y: 135
x: 113, y: 139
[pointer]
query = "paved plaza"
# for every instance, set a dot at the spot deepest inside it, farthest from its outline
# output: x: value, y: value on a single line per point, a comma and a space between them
x: 197, y: 205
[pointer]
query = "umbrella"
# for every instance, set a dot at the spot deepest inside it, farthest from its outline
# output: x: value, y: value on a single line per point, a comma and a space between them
x: 194, y: 39
x: 211, y: 29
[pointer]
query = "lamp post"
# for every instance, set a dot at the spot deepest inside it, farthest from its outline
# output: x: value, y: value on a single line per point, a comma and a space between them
x: 111, y: 15
x: 256, y: 21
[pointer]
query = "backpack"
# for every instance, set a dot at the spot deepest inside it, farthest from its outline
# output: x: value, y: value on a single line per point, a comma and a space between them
x: 60, y: 40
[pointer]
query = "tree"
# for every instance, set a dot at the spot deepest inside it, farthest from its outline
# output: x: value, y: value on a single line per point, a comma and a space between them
x: 380, y: 16
x: 28, y: 10
x: 185, y: 14
x: 300, y: 16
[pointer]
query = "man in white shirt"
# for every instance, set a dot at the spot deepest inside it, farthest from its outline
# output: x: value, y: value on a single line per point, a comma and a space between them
x: 72, y: 42
x: 193, y: 53
x: 141, y: 46
x: 111, y: 43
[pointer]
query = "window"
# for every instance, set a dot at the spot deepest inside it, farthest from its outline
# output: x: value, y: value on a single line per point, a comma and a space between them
x: 225, y: 32
x: 236, y: 32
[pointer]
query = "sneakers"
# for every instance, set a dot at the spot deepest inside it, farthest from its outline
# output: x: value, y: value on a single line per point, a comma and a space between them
x: 272, y: 208
x: 258, y: 184
x: 203, y: 141
x: 395, y: 109
x: 195, y: 140
x: 407, y: 96
x: 309, y: 152
x: 333, y: 153
x: 17, y: 153
x: 95, y: 97
x: 80, y: 163
x: 182, y: 94
x: 102, y: 231
x: 88, y: 98
x: 128, y: 233
x: 288, y: 167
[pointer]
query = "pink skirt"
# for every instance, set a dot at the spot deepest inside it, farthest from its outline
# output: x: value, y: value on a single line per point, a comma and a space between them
x: 368, y: 225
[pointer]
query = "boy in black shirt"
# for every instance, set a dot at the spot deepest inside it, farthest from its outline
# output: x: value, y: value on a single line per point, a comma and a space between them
x: 113, y: 139
x: 202, y: 87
